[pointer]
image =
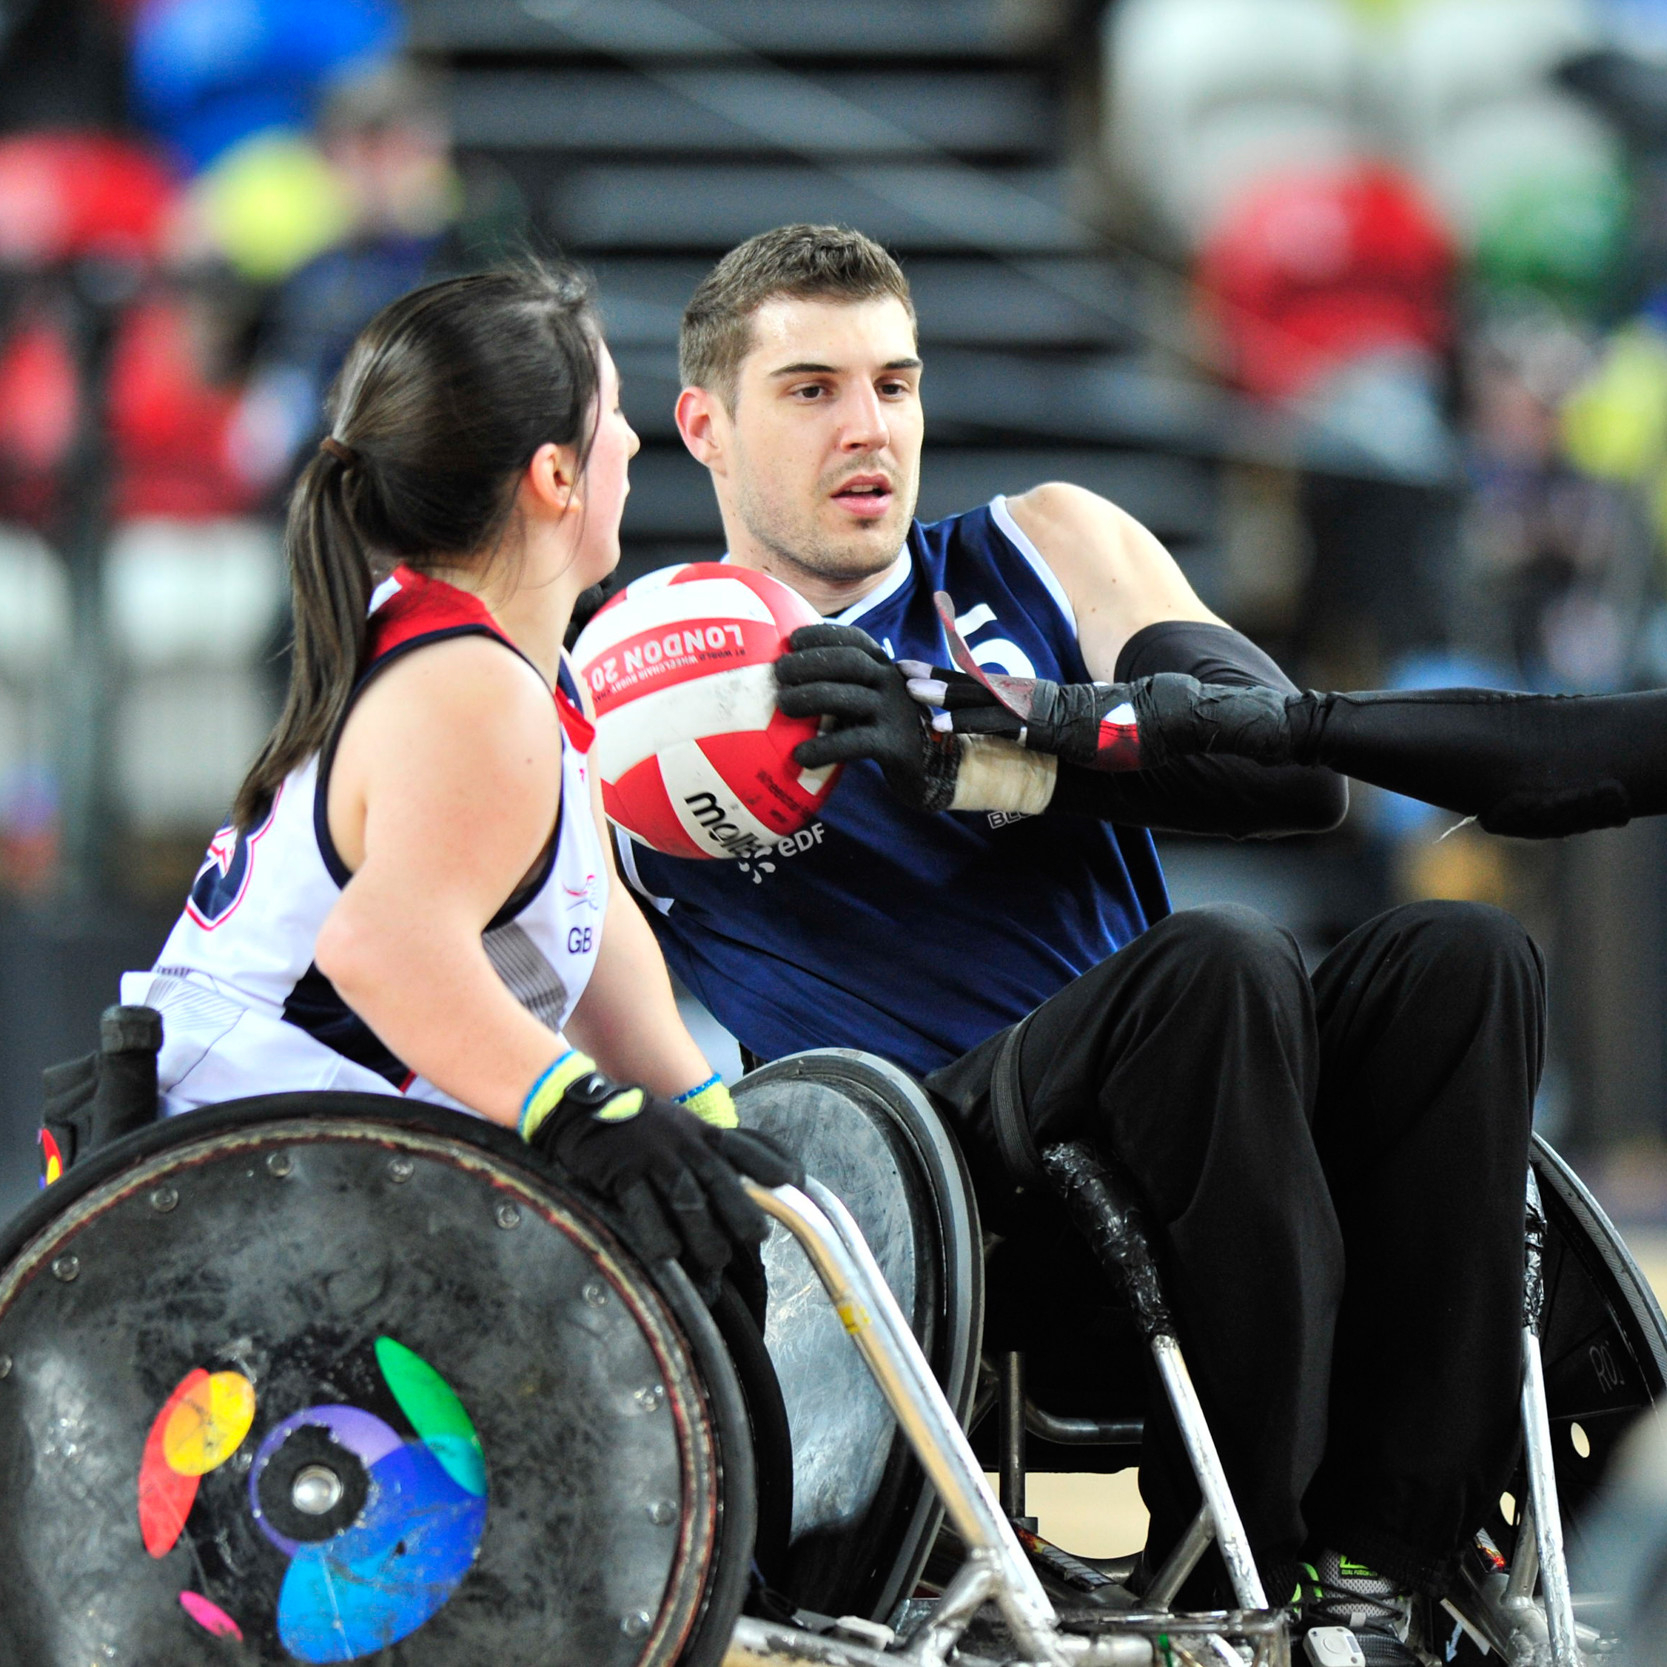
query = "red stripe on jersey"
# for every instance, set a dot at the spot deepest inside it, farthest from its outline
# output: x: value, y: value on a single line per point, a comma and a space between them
x: 580, y: 730
x: 424, y: 607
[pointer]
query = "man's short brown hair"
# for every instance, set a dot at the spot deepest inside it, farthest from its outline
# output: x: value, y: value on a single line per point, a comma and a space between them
x: 830, y: 263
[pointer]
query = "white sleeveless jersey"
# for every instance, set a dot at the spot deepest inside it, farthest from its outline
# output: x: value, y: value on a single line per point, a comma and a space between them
x: 245, y: 1009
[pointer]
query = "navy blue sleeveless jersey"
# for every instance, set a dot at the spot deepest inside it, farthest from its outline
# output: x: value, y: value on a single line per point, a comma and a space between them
x: 914, y: 936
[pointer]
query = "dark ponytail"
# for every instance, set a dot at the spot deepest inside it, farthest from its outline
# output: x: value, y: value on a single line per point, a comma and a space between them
x: 441, y: 403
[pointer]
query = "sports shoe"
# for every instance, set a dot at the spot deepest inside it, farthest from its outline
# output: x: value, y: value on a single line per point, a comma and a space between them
x: 1334, y: 1590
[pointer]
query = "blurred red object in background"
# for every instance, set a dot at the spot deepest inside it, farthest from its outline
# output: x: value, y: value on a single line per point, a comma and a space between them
x: 169, y: 422
x: 1314, y: 270
x: 67, y: 196
x: 37, y: 397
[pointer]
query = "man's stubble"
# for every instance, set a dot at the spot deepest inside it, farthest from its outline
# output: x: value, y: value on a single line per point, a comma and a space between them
x: 798, y: 544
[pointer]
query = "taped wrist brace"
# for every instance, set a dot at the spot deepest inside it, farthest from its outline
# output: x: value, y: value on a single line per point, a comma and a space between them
x: 1000, y: 775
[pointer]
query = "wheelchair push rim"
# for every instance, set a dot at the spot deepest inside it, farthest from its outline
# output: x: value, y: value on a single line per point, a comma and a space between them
x: 864, y: 1516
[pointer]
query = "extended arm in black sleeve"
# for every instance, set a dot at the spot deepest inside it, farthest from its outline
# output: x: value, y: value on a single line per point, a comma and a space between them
x: 1537, y: 766
x: 1214, y: 793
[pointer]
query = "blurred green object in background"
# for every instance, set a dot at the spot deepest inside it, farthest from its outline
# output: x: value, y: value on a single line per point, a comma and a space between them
x: 1560, y: 235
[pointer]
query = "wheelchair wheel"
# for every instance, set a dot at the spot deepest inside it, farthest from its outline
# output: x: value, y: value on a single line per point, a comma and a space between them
x: 1603, y: 1338
x: 345, y: 1378
x: 863, y: 1518
x: 1603, y: 1342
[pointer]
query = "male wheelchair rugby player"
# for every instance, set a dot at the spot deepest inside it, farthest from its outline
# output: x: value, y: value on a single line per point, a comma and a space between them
x: 332, y: 1377
x: 326, y: 1376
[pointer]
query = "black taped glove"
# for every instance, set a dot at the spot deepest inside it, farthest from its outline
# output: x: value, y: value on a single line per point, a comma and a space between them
x: 675, y: 1179
x: 840, y: 672
x: 1114, y: 726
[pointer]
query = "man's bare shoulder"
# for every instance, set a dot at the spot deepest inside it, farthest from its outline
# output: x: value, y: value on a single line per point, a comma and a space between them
x: 1118, y: 576
x: 1077, y: 528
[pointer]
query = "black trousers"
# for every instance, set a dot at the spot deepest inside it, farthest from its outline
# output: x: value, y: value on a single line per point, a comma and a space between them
x: 1334, y: 1165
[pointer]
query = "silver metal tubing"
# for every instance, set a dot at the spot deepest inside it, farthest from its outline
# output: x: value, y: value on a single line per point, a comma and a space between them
x: 974, y: 1582
x: 1525, y: 1562
x: 1011, y: 1401
x: 1082, y: 1432
x: 1212, y: 1479
x: 1548, y: 1521
x: 1180, y: 1562
x: 864, y: 1303
x: 756, y: 1643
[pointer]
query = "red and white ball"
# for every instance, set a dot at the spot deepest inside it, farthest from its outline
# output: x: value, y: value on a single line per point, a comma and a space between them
x: 694, y: 756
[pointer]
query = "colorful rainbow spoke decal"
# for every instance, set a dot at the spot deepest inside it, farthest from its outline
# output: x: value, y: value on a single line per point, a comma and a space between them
x: 435, y: 1413
x: 210, y: 1616
x: 395, y: 1569
x: 52, y: 1158
x: 209, y: 1424
x: 199, y: 1427
x: 361, y: 1579
x: 362, y: 1438
x: 379, y: 1530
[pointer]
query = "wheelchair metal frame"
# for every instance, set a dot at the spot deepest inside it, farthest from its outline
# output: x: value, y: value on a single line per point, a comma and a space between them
x: 1504, y: 1612
x: 996, y: 1567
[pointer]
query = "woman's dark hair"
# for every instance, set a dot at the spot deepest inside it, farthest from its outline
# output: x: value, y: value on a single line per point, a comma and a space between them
x: 440, y: 405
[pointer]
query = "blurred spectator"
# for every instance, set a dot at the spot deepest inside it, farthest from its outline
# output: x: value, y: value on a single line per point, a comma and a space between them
x: 1332, y: 289
x: 98, y: 343
x: 1321, y: 280
x: 34, y: 647
x: 1559, y: 553
x: 210, y: 73
x: 268, y: 205
x: 1344, y: 171
x: 386, y: 141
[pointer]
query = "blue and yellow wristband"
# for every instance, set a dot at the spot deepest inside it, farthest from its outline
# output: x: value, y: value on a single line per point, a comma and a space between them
x: 709, y: 1100
x: 546, y: 1094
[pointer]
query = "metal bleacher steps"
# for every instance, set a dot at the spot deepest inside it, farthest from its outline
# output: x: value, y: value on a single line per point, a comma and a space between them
x: 646, y: 137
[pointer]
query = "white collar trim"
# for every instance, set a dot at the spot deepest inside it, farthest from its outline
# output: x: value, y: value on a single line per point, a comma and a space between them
x: 897, y: 576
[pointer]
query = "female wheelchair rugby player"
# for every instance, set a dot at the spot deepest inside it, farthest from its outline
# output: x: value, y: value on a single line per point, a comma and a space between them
x: 414, y: 895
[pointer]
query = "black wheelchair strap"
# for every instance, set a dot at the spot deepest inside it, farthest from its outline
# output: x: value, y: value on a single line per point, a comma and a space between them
x: 1007, y: 1112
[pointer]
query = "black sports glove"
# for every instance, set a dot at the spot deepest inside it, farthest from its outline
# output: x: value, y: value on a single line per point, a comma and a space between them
x: 1092, y: 724
x: 1113, y: 726
x: 840, y: 672
x: 675, y: 1179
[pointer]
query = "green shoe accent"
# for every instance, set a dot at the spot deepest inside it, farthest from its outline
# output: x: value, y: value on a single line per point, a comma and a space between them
x: 1353, y: 1570
x: 1298, y: 1594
